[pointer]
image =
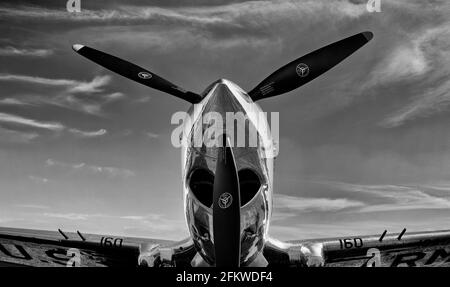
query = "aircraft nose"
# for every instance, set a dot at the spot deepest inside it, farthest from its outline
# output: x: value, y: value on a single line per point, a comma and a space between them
x: 222, y: 100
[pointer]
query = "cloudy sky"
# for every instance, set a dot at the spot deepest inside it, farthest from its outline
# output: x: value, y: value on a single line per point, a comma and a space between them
x: 364, y: 148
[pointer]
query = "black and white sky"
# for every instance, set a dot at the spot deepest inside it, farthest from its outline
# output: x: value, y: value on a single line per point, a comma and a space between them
x: 365, y: 147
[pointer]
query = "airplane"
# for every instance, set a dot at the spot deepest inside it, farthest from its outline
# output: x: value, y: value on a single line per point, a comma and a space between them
x: 227, y: 193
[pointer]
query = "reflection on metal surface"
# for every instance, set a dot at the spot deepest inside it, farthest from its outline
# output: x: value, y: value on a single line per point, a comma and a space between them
x: 179, y: 254
x: 253, y: 227
x: 307, y: 254
x: 251, y: 163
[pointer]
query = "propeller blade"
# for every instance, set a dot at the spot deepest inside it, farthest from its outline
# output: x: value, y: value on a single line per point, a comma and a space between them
x: 308, y: 67
x: 135, y: 73
x: 226, y: 209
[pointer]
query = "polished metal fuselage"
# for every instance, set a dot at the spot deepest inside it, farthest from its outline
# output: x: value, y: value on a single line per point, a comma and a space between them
x: 220, y: 98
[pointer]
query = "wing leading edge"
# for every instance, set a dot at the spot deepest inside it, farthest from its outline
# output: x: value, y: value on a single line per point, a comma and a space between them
x: 25, y: 247
x: 21, y: 247
x: 403, y: 249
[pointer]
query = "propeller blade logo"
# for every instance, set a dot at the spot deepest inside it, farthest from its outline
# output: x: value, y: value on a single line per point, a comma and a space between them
x: 225, y: 200
x: 302, y: 70
x: 373, y: 6
x: 73, y: 6
x: 145, y: 75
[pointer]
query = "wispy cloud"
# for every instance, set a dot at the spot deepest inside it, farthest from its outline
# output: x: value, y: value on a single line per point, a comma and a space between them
x: 11, y: 101
x: 133, y: 217
x: 109, y: 171
x: 21, y: 136
x: 424, y: 61
x: 12, y: 136
x: 151, y: 135
x: 361, y: 198
x: 394, y: 197
x: 72, y: 86
x: 13, y: 119
x: 32, y: 206
x: 201, y: 15
x: 434, y: 100
x: 70, y: 216
x: 442, y: 186
x: 12, y: 51
x: 129, y: 225
x: 85, y: 96
x: 38, y: 179
x: 38, y: 80
x: 143, y: 99
x: 143, y: 224
x: 95, y: 85
x: 403, y: 63
x: 304, y: 204
x: 88, y: 134
x: 254, y: 24
x: 114, y: 96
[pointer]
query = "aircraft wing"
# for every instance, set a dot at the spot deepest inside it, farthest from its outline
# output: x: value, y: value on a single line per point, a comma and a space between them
x: 26, y: 247
x: 428, y: 249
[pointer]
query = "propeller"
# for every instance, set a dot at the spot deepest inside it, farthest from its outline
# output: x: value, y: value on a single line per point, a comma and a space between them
x: 226, y: 209
x: 307, y: 68
x: 135, y: 73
